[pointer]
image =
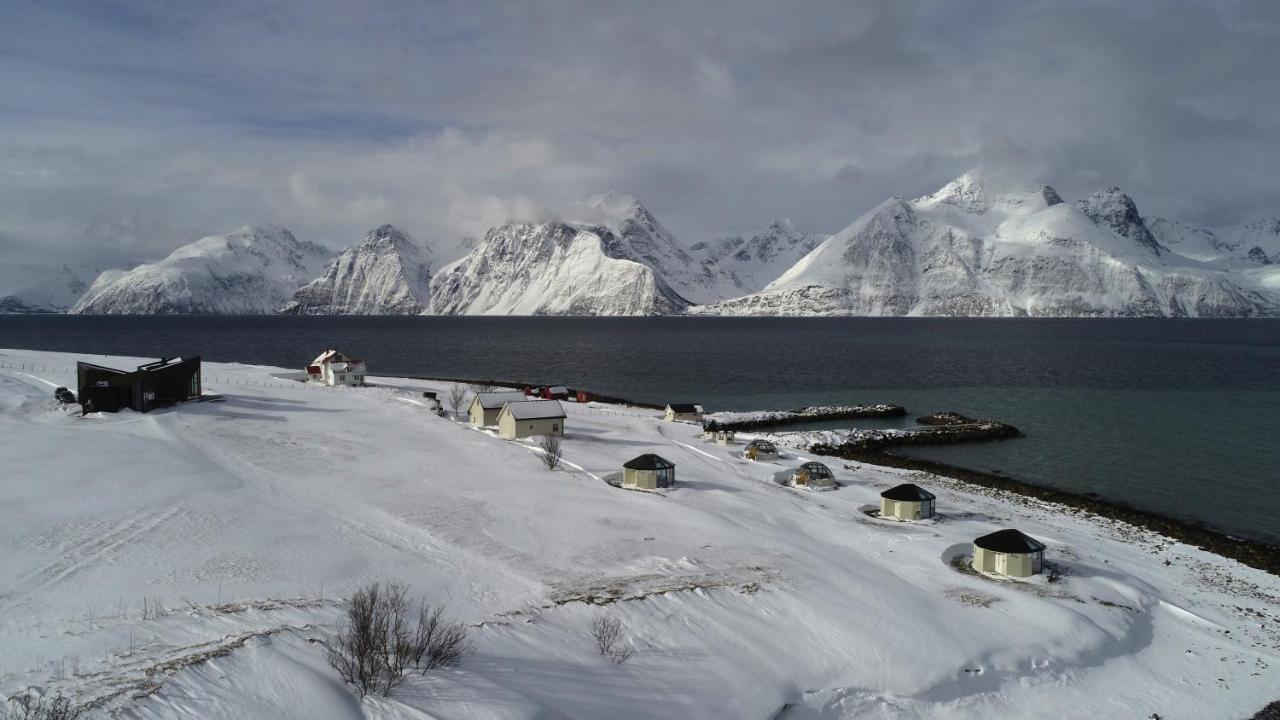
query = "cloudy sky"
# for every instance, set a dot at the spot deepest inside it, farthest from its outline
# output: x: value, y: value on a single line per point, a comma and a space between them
x: 127, y: 128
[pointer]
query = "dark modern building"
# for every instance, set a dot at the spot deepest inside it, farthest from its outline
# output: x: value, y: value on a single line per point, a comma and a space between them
x: 154, y: 385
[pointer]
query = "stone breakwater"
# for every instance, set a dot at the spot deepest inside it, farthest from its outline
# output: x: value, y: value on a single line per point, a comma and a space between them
x: 955, y: 429
x: 749, y: 420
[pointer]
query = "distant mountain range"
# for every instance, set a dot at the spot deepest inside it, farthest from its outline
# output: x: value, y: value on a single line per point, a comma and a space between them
x: 969, y: 249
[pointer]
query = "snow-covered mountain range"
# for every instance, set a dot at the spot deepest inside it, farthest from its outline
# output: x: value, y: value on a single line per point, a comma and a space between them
x: 254, y: 270
x: 973, y: 248
x: 967, y: 250
x: 387, y: 274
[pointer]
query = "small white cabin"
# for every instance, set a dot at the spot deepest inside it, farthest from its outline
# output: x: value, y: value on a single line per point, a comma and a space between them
x: 907, y: 502
x: 518, y: 420
x: 333, y: 368
x: 725, y: 437
x: 648, y: 472
x: 680, y: 412
x: 1008, y: 552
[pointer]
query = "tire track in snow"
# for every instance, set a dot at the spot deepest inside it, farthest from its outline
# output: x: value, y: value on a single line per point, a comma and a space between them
x: 80, y: 556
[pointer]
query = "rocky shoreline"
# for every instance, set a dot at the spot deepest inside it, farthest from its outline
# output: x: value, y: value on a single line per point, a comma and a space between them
x: 1253, y: 553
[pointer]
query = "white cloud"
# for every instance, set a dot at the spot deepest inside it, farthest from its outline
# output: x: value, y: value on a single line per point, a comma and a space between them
x: 125, y: 130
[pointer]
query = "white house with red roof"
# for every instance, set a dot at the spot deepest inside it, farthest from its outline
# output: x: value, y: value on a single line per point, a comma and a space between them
x: 334, y: 368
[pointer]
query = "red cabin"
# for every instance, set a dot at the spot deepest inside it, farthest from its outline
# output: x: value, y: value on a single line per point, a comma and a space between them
x: 586, y: 397
x: 555, y: 392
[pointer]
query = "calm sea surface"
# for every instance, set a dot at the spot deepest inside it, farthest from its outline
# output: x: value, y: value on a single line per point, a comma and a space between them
x: 1177, y: 416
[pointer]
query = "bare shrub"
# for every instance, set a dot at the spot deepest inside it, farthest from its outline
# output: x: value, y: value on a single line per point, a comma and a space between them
x: 28, y: 706
x: 457, y: 394
x: 551, y: 455
x: 380, y: 639
x: 438, y: 642
x: 607, y: 632
x: 359, y: 651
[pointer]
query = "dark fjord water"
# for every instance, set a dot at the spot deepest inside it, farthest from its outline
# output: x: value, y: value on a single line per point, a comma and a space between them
x: 1178, y: 417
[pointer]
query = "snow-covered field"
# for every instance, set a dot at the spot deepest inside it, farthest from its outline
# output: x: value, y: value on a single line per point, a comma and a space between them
x: 183, y: 563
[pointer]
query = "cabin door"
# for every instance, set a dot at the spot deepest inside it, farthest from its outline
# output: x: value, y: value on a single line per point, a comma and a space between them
x: 1002, y: 563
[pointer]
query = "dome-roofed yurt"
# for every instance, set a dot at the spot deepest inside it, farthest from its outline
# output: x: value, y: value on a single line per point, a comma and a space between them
x: 648, y: 472
x: 907, y: 502
x: 760, y: 450
x: 1008, y: 552
x: 813, y: 476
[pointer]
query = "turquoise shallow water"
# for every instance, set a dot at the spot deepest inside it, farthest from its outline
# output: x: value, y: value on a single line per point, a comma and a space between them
x: 1181, y: 417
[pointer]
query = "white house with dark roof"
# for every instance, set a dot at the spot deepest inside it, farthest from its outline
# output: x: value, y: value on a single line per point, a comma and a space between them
x: 531, y: 418
x: 334, y: 368
x: 683, y: 412
x: 485, y: 406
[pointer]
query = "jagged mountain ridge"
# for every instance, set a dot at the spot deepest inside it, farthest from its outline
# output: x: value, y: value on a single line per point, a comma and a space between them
x: 747, y: 265
x: 387, y: 274
x: 252, y: 271
x: 968, y: 251
x: 552, y: 268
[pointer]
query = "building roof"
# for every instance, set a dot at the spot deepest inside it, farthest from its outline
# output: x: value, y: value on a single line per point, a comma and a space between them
x: 761, y: 444
x: 332, y: 355
x: 649, y: 461
x: 684, y: 408
x: 524, y: 409
x: 907, y: 492
x: 1009, y: 541
x: 495, y: 400
x: 558, y: 390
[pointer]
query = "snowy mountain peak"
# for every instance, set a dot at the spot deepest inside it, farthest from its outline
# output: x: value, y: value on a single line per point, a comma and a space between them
x: 554, y: 268
x: 616, y: 205
x: 967, y: 192
x: 253, y: 270
x: 974, y: 192
x: 1115, y: 210
x: 387, y: 274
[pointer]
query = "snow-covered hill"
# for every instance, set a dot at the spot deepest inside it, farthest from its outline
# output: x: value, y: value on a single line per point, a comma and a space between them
x: 555, y: 268
x: 26, y: 288
x: 254, y: 270
x: 191, y: 564
x: 735, y: 265
x: 969, y: 250
x: 387, y: 274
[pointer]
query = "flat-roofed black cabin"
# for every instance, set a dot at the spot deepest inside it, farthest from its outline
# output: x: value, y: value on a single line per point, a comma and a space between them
x: 151, y: 386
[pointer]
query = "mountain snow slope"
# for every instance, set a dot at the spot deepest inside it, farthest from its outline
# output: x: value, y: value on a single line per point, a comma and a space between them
x: 555, y: 268
x: 387, y: 274
x: 243, y: 524
x: 735, y: 265
x: 43, y: 289
x: 631, y: 232
x: 254, y: 270
x: 1256, y: 243
x: 968, y: 251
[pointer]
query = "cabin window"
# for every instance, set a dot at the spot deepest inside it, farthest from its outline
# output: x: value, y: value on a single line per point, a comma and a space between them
x: 555, y: 427
x: 665, y: 477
